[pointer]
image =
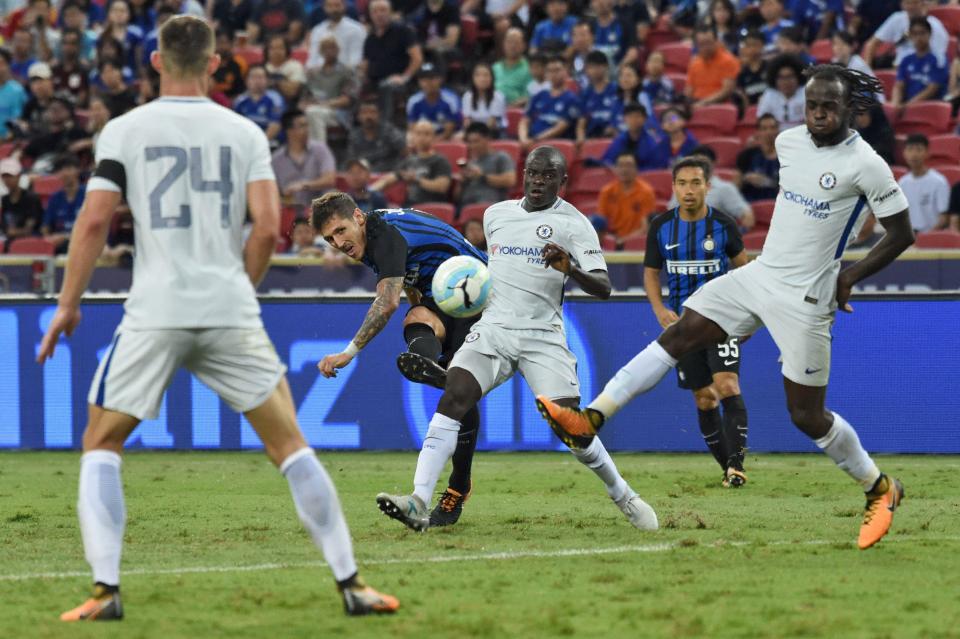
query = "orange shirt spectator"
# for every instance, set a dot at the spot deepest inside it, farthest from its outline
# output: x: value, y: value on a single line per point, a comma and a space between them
x: 712, y: 75
x: 627, y: 202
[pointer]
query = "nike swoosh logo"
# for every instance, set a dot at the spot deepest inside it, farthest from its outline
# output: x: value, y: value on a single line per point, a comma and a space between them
x: 730, y: 363
x: 670, y: 247
x: 811, y: 372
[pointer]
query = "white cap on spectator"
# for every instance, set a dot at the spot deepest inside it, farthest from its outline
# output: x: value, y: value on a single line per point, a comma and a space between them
x: 10, y: 166
x: 40, y: 70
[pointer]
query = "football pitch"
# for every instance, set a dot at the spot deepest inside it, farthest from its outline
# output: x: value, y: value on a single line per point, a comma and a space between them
x: 214, y: 549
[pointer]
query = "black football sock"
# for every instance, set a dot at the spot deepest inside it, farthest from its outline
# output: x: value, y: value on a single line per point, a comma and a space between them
x: 422, y: 340
x: 710, y: 427
x: 463, y: 454
x: 353, y: 581
x: 735, y: 430
x: 105, y: 588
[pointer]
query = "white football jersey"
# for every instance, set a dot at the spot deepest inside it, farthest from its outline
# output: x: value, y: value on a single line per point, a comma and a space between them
x: 185, y: 165
x: 525, y: 293
x: 824, y: 196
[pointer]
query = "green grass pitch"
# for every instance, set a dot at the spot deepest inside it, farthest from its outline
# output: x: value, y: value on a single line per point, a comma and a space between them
x: 214, y: 549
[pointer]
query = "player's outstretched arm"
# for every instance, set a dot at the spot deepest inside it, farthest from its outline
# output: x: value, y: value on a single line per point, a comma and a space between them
x: 595, y: 283
x: 86, y: 244
x: 898, y: 238
x: 263, y: 200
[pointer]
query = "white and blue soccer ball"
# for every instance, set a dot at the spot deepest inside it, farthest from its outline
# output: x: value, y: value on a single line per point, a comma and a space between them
x: 461, y: 286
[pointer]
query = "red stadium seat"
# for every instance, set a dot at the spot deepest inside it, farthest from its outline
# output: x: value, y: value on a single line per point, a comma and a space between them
x: 676, y: 56
x: 608, y: 243
x: 899, y: 171
x: 661, y: 34
x: 453, y: 151
x: 892, y: 113
x: 7, y: 149
x: 510, y: 147
x: 952, y: 173
x: 441, y: 210
x: 726, y: 150
x: 341, y: 183
x: 747, y: 125
x: 679, y: 81
x: 949, y: 16
x: 661, y: 181
x: 514, y: 115
x: 469, y: 32
x: 945, y: 149
x: 887, y: 77
x: 899, y: 141
x: 822, y: 50
x: 251, y: 55
x: 3, y: 245
x: 288, y: 215
x: 725, y: 174
x: 31, y: 246
x: 928, y: 117
x: 713, y: 120
x: 472, y: 212
x: 396, y: 193
x: 46, y: 185
x: 938, y: 240
x: 300, y: 54
x: 566, y: 147
x: 636, y: 244
x: 590, y: 180
x: 753, y: 241
x: 763, y: 212
x: 585, y: 203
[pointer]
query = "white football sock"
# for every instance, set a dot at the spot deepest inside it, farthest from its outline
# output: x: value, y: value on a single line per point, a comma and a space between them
x: 319, y: 508
x: 102, y: 514
x: 596, y: 458
x: 843, y: 446
x: 438, y: 447
x: 639, y: 375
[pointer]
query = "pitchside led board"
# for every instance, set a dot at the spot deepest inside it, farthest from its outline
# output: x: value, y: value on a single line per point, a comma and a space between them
x: 895, y: 375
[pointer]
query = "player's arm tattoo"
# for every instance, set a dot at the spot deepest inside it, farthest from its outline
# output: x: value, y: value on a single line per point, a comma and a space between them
x: 387, y: 301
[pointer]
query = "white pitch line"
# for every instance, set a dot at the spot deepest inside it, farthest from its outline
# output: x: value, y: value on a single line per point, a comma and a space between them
x: 492, y: 556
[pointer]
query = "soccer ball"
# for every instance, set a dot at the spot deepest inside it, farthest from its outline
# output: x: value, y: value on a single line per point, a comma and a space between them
x: 461, y: 286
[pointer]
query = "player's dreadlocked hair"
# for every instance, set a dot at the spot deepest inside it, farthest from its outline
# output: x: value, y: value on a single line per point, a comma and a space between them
x: 862, y: 89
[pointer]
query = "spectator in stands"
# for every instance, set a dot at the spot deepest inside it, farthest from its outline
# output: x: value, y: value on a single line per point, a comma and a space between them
x: 112, y: 50
x: 723, y: 195
x: 920, y: 75
x: 875, y: 129
x: 512, y: 72
x: 552, y: 113
x: 785, y: 95
x: 637, y: 138
x: 262, y: 105
x: 40, y: 83
x: 303, y: 240
x: 285, y: 75
x: 20, y: 210
x: 580, y: 47
x: 953, y: 86
x: 277, y: 17
x: 22, y: 54
x: 869, y: 16
x: 678, y: 141
x: 538, y: 75
x: 228, y: 78
x: 330, y: 91
x: 59, y: 135
x: 232, y: 16
x: 609, y: 34
x: 656, y: 85
x: 758, y: 169
x: 712, y: 74
x: 625, y: 203
x: 39, y: 19
x: 774, y: 18
x: 817, y: 19
x: 305, y: 168
x: 151, y: 41
x: 435, y: 103
x: 844, y: 53
x: 896, y: 30
x: 483, y: 103
x: 790, y: 40
x: 954, y: 215
x: 64, y: 205
x: 74, y: 17
x: 391, y: 56
x: 437, y: 25
x: 473, y: 232
x: 348, y: 33
x: 12, y: 95
x: 629, y: 91
x: 117, y: 26
x: 142, y: 15
x: 555, y: 33
x: 358, y: 186
x: 488, y: 175
x: 426, y: 173
x: 598, y: 101
x: 97, y: 117
x: 375, y: 139
x: 71, y: 74
x: 118, y: 97
x: 927, y: 190
x: 752, y: 79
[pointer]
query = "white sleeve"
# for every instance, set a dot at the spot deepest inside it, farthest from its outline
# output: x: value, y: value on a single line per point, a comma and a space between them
x: 764, y: 104
x: 586, y: 249
x: 261, y: 161
x: 891, y: 30
x: 109, y: 147
x: 878, y: 186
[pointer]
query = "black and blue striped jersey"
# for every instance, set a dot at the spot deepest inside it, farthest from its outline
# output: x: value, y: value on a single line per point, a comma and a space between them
x: 692, y: 252
x: 411, y: 244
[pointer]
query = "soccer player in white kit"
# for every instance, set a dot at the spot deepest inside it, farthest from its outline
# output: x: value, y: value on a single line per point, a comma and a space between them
x: 534, y: 245
x: 828, y: 176
x: 188, y: 169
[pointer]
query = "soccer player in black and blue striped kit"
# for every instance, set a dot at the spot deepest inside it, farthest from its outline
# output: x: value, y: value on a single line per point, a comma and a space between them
x: 404, y: 247
x: 697, y: 243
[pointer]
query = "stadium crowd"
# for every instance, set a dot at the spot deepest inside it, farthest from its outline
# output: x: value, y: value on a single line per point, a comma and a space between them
x: 433, y: 103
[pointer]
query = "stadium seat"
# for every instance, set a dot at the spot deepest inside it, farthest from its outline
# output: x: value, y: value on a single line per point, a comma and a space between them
x: 590, y: 180
x: 472, y: 212
x: 510, y: 147
x: 453, y: 151
x: 725, y: 173
x: 713, y: 120
x: 929, y: 117
x: 636, y: 244
x: 747, y: 125
x: 469, y: 32
x: 441, y: 210
x: 949, y: 16
x: 892, y: 113
x: 341, y: 182
x: 887, y: 77
x: 7, y: 149
x: 679, y: 81
x: 300, y: 54
x: 3, y: 245
x: 288, y: 215
x: 514, y: 115
x: 594, y: 148
x: 608, y: 243
x: 763, y: 212
x: 251, y: 55
x: 952, y: 173
x: 396, y: 193
x: 46, y: 185
x: 899, y: 141
x: 661, y: 181
x: 676, y: 56
x: 585, y: 203
x: 899, y: 171
x: 938, y: 240
x: 822, y: 50
x: 566, y: 147
x: 945, y: 149
x: 31, y: 246
x: 661, y: 34
x: 726, y: 150
x: 753, y: 241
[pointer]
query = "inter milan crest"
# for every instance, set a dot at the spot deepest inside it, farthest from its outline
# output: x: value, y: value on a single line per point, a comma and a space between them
x: 709, y: 244
x: 544, y: 231
x: 828, y: 181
